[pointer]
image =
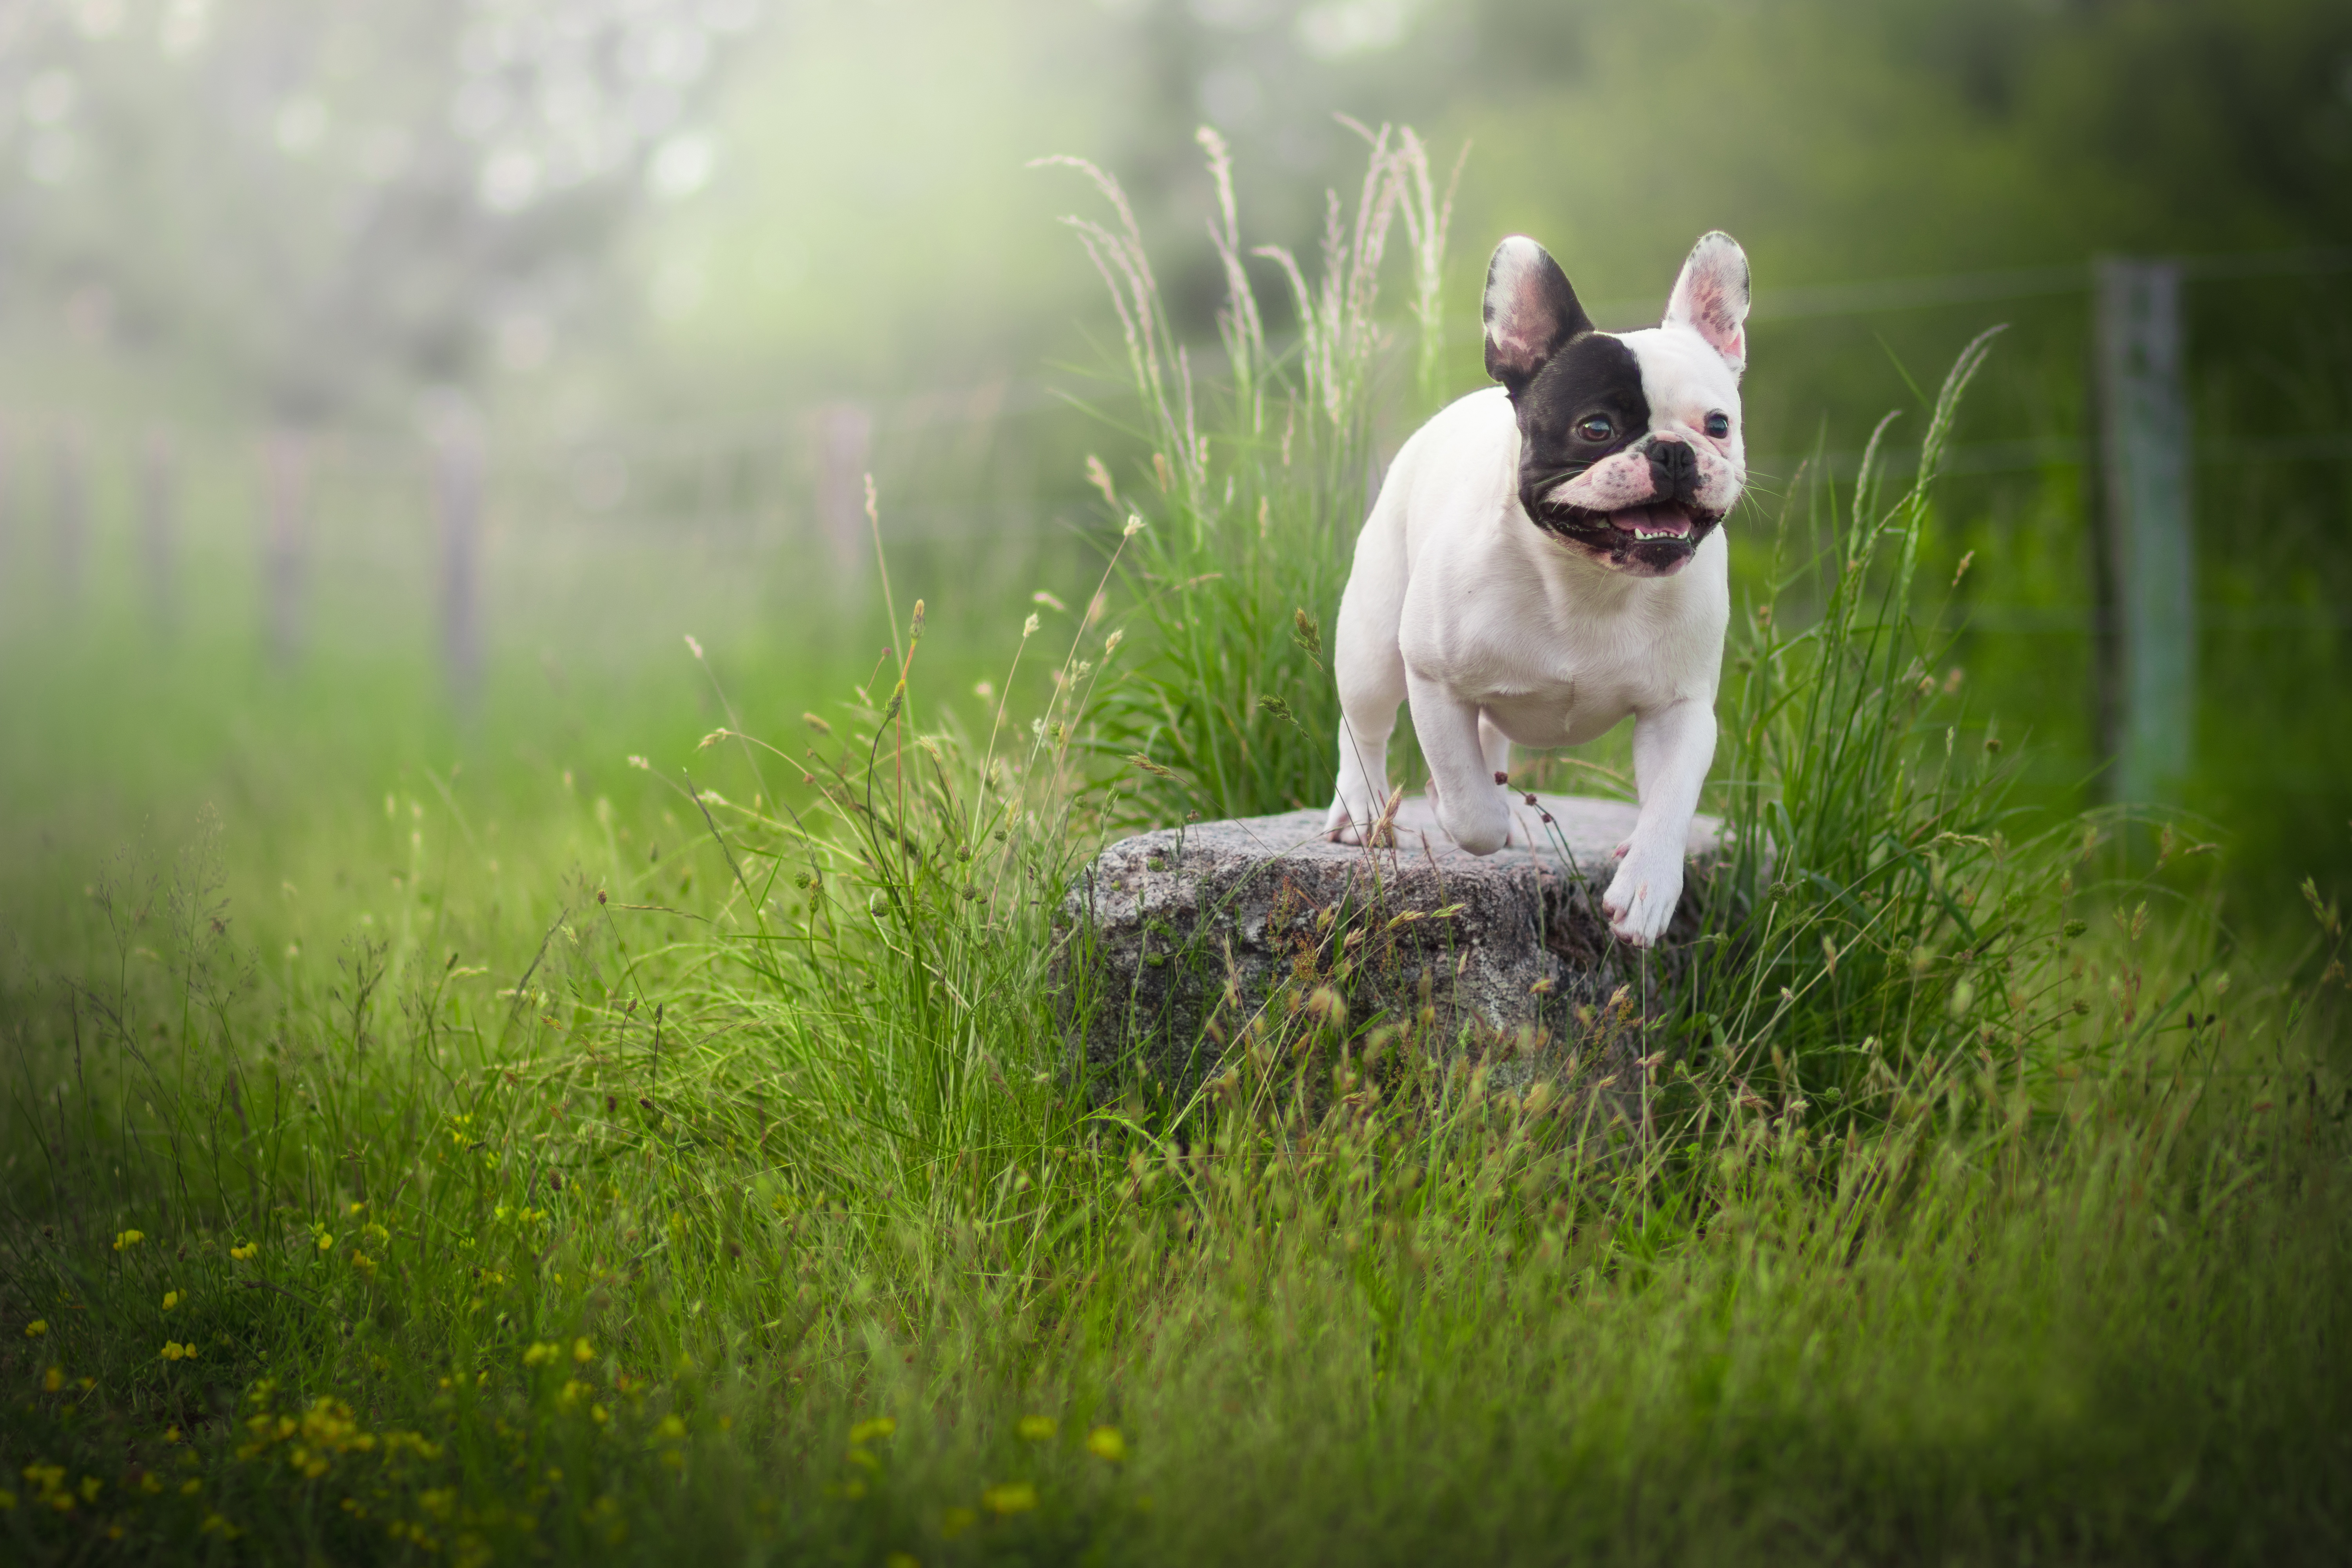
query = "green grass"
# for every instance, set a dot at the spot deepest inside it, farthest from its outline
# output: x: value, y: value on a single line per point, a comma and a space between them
x: 560, y: 1159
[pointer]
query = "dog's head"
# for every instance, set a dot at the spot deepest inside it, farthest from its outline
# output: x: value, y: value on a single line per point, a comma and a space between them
x: 1631, y: 448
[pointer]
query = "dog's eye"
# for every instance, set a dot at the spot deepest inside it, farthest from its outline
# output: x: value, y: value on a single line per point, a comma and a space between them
x: 1718, y: 426
x: 1599, y: 428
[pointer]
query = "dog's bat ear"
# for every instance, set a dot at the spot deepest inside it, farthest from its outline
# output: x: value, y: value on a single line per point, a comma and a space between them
x: 1710, y: 298
x: 1531, y: 311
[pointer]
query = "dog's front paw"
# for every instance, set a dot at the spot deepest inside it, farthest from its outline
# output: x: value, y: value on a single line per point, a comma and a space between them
x: 1354, y: 820
x: 1642, y: 899
x: 1481, y: 825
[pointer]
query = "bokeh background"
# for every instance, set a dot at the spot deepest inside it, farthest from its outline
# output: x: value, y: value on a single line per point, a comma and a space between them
x: 387, y: 390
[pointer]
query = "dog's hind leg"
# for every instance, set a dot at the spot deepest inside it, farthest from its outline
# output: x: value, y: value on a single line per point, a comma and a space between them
x: 1372, y: 684
x: 1370, y: 671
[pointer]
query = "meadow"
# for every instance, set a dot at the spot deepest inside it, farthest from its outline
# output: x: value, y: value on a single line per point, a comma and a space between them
x: 653, y: 1136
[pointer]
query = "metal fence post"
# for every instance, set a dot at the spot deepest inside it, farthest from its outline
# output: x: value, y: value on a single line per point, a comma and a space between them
x: 9, y: 544
x: 2144, y: 473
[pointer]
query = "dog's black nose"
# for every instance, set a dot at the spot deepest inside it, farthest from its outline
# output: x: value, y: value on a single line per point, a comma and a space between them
x: 1674, y: 471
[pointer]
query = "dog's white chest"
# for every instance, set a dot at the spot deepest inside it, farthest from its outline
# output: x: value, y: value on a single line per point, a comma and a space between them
x: 1557, y: 663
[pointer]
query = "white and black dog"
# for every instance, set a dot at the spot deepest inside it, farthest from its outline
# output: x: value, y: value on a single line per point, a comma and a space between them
x: 1544, y: 559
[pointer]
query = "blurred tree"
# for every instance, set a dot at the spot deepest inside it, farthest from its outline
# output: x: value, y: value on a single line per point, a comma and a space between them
x: 325, y: 206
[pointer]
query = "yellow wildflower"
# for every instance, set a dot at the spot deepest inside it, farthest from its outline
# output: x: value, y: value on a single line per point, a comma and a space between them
x: 581, y: 1350
x: 540, y: 1354
x: 325, y: 1241
x: 245, y: 1253
x: 36, y: 1328
x: 129, y: 1238
x: 672, y: 1428
x: 172, y: 1298
x: 359, y: 1209
x: 53, y: 1380
x: 174, y: 1350
x: 867, y: 1431
x: 1009, y: 1497
x: 1036, y: 1428
x: 1106, y: 1442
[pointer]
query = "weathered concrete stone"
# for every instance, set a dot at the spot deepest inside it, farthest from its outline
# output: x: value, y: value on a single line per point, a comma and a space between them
x: 1172, y: 940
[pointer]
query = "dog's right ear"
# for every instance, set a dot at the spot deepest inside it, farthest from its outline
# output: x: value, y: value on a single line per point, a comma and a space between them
x: 1531, y: 311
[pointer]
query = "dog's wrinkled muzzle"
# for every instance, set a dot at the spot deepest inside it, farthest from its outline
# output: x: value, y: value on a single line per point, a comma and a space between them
x: 1654, y: 536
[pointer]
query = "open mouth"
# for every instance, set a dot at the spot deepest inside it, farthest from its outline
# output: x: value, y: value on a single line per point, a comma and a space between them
x: 1656, y: 539
x: 1647, y: 522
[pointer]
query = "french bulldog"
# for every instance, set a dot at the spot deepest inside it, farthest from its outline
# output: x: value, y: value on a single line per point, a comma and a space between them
x: 1546, y: 557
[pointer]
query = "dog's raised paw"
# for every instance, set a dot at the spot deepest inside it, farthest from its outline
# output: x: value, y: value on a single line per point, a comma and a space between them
x: 1641, y: 900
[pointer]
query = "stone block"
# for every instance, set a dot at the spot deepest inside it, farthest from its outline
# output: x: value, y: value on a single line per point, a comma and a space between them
x: 1172, y: 940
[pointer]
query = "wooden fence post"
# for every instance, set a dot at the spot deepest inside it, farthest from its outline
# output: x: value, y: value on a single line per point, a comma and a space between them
x: 457, y: 469
x: 285, y: 463
x: 844, y: 434
x: 2150, y: 565
x: 69, y: 511
x: 159, y: 524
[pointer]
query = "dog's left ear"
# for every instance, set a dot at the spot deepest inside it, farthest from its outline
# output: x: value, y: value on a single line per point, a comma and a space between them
x: 1531, y: 311
x: 1710, y: 298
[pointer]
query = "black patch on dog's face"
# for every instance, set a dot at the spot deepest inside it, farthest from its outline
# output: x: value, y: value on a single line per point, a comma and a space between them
x: 1594, y: 378
x: 1585, y: 404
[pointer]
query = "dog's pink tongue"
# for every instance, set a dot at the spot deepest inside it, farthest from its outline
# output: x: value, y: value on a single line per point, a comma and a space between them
x: 1671, y: 520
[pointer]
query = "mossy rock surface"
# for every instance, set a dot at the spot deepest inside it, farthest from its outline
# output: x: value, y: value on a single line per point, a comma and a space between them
x: 1172, y: 940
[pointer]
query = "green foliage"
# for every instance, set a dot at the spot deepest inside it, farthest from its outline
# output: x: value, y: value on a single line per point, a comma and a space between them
x: 772, y: 1239
x: 696, y: 1170
x: 1252, y: 509
x: 1871, y: 900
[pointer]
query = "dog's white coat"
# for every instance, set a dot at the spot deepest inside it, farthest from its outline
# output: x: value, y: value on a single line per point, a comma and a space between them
x: 1496, y: 631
